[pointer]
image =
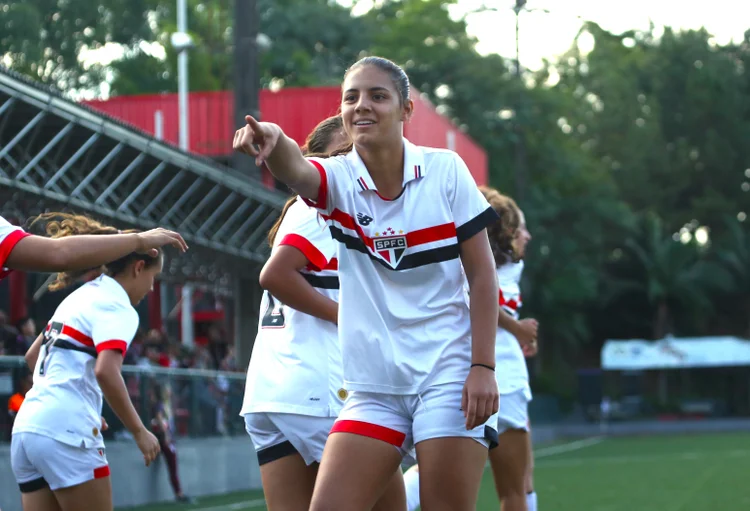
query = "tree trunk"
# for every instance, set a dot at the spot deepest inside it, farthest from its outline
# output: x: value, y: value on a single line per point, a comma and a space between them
x: 662, y: 321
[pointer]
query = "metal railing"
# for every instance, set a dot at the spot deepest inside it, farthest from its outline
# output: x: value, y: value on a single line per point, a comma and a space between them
x: 196, y: 402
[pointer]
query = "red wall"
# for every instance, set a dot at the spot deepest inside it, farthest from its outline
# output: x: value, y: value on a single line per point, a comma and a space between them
x: 296, y: 110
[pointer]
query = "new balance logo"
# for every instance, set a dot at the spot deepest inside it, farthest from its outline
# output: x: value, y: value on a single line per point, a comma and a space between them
x: 363, y: 219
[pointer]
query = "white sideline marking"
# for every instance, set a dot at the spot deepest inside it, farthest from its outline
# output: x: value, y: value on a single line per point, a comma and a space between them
x: 687, y: 456
x: 569, y: 447
x: 541, y: 453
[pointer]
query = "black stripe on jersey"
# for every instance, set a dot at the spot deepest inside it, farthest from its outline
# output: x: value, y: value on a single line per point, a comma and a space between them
x: 321, y: 282
x: 415, y: 260
x: 67, y: 345
x: 476, y: 224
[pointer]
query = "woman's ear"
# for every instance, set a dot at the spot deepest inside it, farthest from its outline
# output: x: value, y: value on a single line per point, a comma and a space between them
x: 138, y: 267
x: 407, y: 111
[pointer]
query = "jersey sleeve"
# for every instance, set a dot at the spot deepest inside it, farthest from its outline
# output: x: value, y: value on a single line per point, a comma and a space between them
x: 471, y: 211
x: 114, y: 328
x: 304, y: 229
x: 10, y: 235
x: 332, y: 171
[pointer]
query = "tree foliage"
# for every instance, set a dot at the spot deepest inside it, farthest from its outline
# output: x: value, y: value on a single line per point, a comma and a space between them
x: 640, y: 143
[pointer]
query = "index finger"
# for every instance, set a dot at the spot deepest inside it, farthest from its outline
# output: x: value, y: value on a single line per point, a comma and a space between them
x: 253, y: 123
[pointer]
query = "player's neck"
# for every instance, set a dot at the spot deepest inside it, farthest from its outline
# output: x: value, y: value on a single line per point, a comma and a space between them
x: 386, y: 167
x: 127, y: 285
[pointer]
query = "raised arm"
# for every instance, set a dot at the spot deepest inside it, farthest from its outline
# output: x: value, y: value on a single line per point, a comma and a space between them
x: 38, y: 253
x: 281, y: 154
x: 281, y: 277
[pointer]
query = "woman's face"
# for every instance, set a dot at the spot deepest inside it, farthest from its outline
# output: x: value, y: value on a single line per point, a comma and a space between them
x: 371, y: 107
x: 523, y: 236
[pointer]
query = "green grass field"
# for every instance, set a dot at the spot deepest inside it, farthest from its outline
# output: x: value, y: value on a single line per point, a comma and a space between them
x: 664, y: 473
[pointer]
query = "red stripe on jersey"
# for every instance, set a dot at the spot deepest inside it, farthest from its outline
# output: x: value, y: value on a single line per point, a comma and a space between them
x: 322, y: 201
x: 512, y: 304
x: 333, y: 264
x: 114, y: 344
x: 390, y: 436
x: 75, y: 335
x: 317, y: 260
x: 7, y: 246
x: 101, y: 472
x: 414, y: 238
x: 430, y: 234
x: 386, y: 199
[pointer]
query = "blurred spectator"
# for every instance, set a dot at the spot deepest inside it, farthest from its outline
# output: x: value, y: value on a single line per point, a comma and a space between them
x: 156, y: 338
x: 25, y: 338
x: 162, y: 427
x: 217, y: 344
x: 7, y: 335
x: 16, y: 400
x: 135, y: 350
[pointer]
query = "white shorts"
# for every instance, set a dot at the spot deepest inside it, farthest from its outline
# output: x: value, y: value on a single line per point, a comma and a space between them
x: 39, y: 462
x: 404, y: 421
x: 276, y: 435
x: 514, y: 411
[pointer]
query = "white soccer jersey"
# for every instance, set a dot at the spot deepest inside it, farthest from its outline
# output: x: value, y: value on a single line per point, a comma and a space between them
x: 65, y: 402
x: 511, y: 370
x: 296, y: 361
x: 403, y: 322
x: 9, y: 236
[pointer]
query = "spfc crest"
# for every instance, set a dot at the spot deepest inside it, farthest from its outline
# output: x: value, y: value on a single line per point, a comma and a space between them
x: 390, y: 247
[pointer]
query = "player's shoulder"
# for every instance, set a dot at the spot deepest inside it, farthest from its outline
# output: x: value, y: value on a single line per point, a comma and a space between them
x: 439, y: 160
x: 300, y: 213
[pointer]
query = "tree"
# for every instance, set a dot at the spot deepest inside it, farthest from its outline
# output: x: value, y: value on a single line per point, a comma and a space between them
x: 669, y: 116
x: 733, y: 254
x: 312, y: 43
x: 44, y: 38
x: 673, y: 278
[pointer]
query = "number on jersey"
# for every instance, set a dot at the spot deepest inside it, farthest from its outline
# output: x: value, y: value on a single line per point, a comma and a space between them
x: 274, y: 315
x: 51, y: 334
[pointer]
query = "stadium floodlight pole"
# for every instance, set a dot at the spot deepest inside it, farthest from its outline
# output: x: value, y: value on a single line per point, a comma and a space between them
x: 182, y: 42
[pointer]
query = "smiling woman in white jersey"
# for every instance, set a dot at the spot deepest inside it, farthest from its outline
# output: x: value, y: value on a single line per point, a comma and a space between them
x: 419, y: 360
x: 294, y: 382
x: 20, y: 250
x: 57, y: 450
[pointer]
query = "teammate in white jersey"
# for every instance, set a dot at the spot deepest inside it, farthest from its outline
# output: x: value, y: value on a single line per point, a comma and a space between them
x: 57, y: 450
x: 419, y: 360
x: 20, y: 250
x: 511, y: 460
x: 294, y: 383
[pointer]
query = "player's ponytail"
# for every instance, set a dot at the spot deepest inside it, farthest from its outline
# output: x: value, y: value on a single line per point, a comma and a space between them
x: 62, y: 225
x: 315, y: 146
x: 502, y: 232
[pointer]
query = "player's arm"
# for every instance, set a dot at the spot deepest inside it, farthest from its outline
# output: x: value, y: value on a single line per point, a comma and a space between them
x: 32, y: 354
x: 281, y: 277
x: 479, y: 266
x: 108, y: 372
x: 281, y: 154
x: 525, y: 330
x: 39, y: 253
